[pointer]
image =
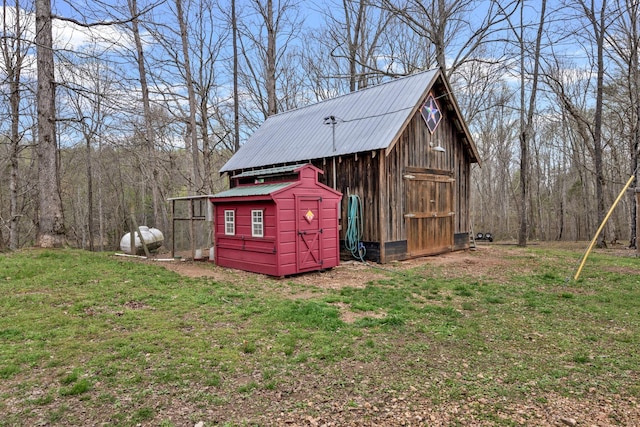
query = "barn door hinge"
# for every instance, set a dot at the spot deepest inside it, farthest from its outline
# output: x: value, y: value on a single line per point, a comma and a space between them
x: 452, y: 213
x: 321, y: 231
x: 409, y: 176
x: 410, y: 215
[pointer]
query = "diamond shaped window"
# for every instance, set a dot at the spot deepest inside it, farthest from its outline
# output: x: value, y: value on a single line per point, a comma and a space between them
x: 431, y: 113
x: 309, y: 216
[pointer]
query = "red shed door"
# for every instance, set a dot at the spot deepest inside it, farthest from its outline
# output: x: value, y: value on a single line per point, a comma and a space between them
x: 309, y: 241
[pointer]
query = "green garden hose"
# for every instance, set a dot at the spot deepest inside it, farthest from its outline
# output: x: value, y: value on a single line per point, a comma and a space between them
x: 353, y: 238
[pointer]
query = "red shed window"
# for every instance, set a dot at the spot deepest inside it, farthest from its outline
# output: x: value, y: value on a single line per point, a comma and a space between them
x: 229, y: 223
x: 257, y: 223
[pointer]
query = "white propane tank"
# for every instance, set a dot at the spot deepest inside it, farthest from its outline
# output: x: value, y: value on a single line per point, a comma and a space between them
x: 153, y: 238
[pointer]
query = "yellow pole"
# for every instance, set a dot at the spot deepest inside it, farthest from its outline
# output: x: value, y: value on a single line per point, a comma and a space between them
x: 606, y: 218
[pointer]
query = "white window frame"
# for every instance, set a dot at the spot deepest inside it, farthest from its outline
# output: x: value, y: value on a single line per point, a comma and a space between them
x: 257, y: 223
x: 230, y: 222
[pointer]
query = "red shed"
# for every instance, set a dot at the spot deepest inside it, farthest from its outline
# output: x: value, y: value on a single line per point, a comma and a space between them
x: 278, y: 221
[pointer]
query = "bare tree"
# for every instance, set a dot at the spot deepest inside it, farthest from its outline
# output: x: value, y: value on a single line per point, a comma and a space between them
x: 598, y: 24
x: 625, y: 41
x: 446, y: 25
x: 218, y: 130
x: 192, y: 127
x: 596, y: 20
x: 265, y: 36
x: 236, y: 97
x: 15, y: 47
x: 526, y: 115
x: 159, y: 217
x: 51, y: 231
x: 354, y: 34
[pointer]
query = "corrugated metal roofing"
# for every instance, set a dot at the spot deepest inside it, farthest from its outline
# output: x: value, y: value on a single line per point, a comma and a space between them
x: 269, y: 171
x: 252, y: 190
x: 369, y: 119
x: 199, y: 196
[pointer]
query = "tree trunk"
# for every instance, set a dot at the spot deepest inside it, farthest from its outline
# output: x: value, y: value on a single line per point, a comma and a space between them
x: 272, y: 107
x: 236, y: 106
x: 146, y: 105
x: 527, y: 125
x: 13, y: 58
x: 89, y: 193
x: 599, y: 31
x: 354, y: 41
x: 196, y: 182
x: 634, y: 94
x: 50, y: 222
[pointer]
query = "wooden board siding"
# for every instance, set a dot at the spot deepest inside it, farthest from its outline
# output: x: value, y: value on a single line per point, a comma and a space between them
x: 287, y: 259
x: 291, y: 242
x: 377, y: 177
x: 241, y: 250
x: 357, y: 174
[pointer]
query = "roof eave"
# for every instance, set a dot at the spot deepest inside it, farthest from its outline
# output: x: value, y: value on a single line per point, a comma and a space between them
x: 473, y: 150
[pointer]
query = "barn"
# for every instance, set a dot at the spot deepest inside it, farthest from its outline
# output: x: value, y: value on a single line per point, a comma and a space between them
x: 277, y: 221
x: 401, y: 147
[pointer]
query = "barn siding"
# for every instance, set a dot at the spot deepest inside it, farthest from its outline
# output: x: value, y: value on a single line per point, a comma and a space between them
x: 357, y: 174
x: 377, y: 178
x: 384, y: 194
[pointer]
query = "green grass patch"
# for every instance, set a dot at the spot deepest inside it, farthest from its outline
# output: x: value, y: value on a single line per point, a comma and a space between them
x: 90, y: 338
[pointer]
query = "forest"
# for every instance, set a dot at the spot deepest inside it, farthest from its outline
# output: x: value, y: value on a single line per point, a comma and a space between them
x: 109, y: 108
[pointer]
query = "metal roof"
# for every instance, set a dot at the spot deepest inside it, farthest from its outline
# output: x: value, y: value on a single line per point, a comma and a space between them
x: 369, y: 119
x: 252, y: 190
x: 269, y: 171
x: 196, y: 197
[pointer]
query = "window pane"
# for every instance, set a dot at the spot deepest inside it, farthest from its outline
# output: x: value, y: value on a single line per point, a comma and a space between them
x: 257, y: 229
x: 229, y: 223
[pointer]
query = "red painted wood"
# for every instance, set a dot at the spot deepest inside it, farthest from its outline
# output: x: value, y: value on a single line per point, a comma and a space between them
x: 292, y: 243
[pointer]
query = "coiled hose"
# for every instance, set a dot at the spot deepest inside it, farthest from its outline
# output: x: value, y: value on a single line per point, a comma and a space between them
x: 352, y: 241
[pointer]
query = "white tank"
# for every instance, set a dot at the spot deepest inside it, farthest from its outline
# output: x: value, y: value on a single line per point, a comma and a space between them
x: 152, y: 237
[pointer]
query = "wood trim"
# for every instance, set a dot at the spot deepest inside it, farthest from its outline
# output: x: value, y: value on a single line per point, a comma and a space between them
x: 414, y: 111
x: 426, y: 177
x: 428, y: 215
x: 383, y: 202
x: 427, y: 171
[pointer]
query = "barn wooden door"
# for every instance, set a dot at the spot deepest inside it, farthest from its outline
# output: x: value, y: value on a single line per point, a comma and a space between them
x: 309, y: 241
x: 429, y: 213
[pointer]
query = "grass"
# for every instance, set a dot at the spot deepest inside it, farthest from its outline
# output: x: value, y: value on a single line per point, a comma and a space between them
x: 93, y: 338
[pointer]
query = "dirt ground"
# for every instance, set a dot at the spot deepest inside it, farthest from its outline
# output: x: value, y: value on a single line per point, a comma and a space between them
x: 353, y: 273
x: 313, y: 401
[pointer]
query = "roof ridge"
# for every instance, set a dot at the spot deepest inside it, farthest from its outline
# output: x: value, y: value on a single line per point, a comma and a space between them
x: 378, y: 85
x: 374, y: 117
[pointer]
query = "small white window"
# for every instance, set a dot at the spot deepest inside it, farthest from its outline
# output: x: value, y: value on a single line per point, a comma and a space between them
x: 229, y: 223
x: 257, y: 223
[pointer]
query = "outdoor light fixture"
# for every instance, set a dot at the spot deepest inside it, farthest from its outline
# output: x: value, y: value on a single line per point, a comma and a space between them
x: 439, y: 148
x: 331, y: 120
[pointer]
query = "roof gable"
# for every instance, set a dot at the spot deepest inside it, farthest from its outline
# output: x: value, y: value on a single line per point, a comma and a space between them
x: 370, y: 119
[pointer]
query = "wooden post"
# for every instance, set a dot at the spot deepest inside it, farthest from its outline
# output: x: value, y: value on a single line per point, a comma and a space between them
x: 383, y: 203
x: 173, y: 228
x: 192, y: 232
x: 133, y: 237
